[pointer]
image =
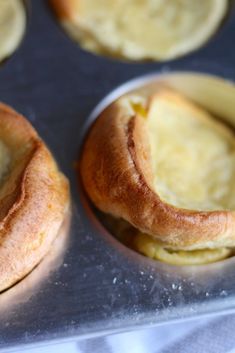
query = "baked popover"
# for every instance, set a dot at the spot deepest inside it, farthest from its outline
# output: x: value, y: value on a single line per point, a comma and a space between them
x: 12, y: 26
x: 34, y: 197
x: 167, y: 167
x: 140, y: 30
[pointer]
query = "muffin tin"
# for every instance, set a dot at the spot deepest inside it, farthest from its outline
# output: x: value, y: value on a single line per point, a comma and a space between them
x: 96, y: 285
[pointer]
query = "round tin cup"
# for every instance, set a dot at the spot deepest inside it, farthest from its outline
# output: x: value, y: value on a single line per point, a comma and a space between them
x: 194, y: 284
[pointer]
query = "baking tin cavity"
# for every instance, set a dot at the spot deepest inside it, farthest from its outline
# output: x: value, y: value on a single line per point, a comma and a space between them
x: 191, y: 283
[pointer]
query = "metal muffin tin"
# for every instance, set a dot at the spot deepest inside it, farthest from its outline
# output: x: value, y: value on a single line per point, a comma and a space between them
x: 97, y: 286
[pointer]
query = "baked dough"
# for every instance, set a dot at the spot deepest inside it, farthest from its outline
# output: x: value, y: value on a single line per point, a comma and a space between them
x: 166, y: 166
x: 150, y: 247
x: 137, y: 30
x: 12, y: 26
x: 34, y: 197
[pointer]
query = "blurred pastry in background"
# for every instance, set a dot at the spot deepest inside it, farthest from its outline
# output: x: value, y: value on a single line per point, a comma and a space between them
x: 140, y: 30
x: 12, y: 26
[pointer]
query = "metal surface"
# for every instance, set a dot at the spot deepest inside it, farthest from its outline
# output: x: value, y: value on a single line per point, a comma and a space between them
x: 96, y: 285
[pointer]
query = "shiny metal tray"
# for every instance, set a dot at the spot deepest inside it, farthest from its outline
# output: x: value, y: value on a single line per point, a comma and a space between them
x: 97, y: 286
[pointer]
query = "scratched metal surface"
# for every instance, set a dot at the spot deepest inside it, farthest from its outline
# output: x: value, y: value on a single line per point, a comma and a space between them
x: 96, y: 286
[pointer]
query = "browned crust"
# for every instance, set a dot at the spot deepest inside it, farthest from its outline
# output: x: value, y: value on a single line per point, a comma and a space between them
x: 116, y: 175
x: 34, y: 198
x: 65, y: 9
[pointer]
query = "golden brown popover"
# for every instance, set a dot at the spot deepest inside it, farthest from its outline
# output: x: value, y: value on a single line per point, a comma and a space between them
x: 12, y: 26
x: 34, y: 197
x: 138, y: 30
x: 167, y: 167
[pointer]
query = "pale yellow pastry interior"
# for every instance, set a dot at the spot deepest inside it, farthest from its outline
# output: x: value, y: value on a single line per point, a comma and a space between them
x: 12, y: 26
x: 137, y: 30
x: 193, y: 156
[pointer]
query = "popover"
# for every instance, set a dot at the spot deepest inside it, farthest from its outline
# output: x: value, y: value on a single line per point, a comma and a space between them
x: 34, y: 197
x: 166, y: 166
x: 140, y: 30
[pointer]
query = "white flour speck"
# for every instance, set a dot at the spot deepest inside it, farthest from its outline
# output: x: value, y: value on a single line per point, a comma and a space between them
x: 223, y: 293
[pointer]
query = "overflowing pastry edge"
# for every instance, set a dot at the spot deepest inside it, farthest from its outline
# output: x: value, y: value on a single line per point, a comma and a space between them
x: 34, y: 198
x: 156, y: 250
x: 117, y: 174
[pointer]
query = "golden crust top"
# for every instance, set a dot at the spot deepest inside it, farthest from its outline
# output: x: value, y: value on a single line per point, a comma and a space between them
x: 117, y: 174
x: 34, y: 197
